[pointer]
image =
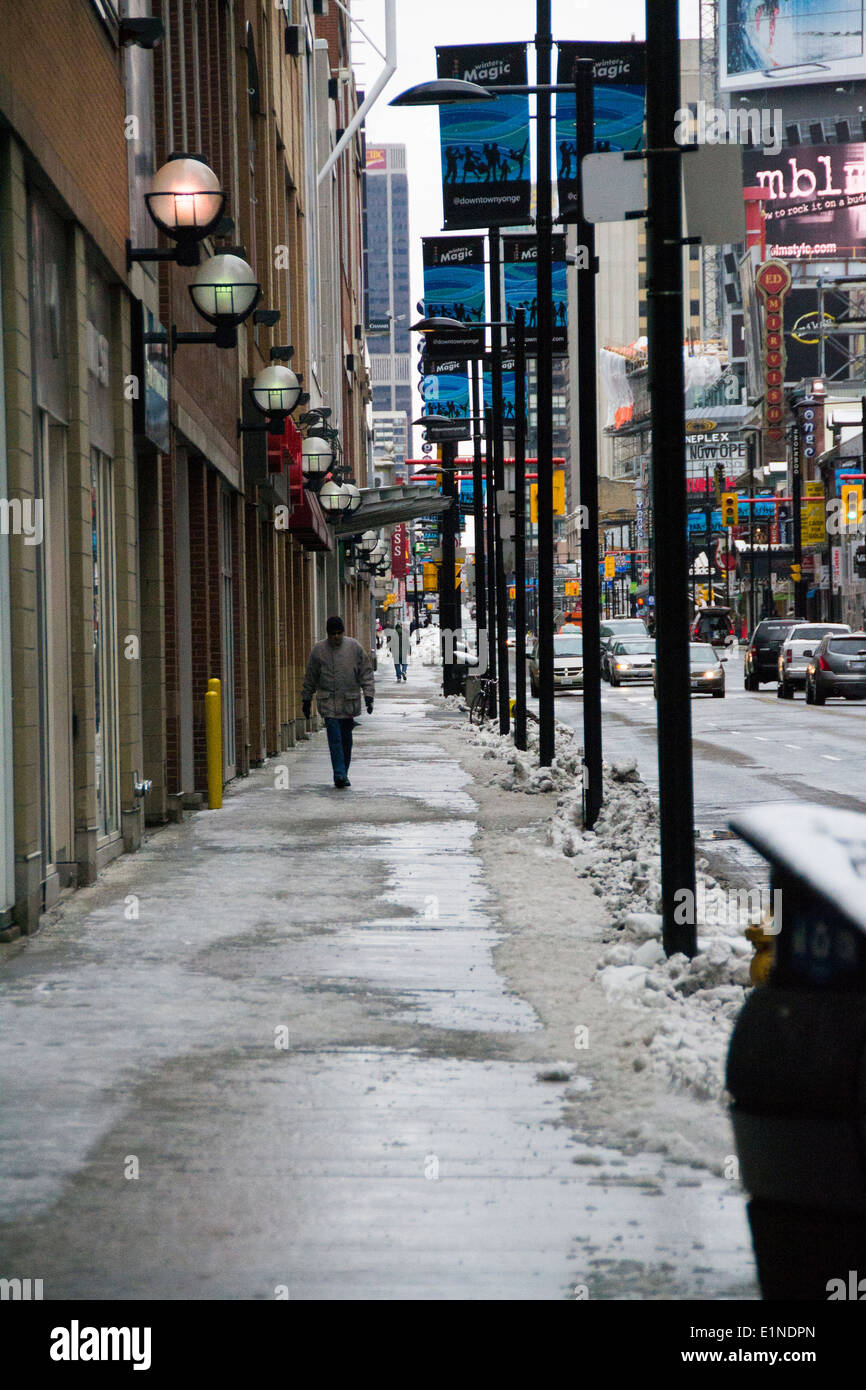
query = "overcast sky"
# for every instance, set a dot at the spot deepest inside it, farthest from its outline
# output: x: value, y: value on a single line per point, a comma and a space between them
x: 422, y: 24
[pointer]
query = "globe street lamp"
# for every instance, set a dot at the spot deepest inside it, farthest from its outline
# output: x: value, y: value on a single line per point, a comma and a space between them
x: 186, y: 203
x: 317, y: 460
x: 334, y: 497
x: 224, y: 291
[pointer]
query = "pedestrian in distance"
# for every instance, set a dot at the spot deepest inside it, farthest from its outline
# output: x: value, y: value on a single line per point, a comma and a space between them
x: 400, y: 649
x: 338, y: 673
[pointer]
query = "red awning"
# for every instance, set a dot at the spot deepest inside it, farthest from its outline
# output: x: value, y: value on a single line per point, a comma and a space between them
x: 306, y: 519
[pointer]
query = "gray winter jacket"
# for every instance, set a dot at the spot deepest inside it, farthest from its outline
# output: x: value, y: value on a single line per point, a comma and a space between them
x: 336, y: 675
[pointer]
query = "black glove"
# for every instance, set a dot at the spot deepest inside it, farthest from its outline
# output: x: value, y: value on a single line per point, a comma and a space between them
x: 307, y: 707
x: 369, y: 706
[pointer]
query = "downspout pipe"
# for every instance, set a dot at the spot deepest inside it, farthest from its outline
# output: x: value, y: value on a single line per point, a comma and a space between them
x: 372, y: 96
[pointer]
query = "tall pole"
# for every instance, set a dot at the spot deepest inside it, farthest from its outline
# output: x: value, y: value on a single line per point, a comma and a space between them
x: 448, y: 611
x: 492, y: 647
x: 665, y: 350
x: 520, y: 528
x: 708, y: 517
x: 587, y: 357
x: 498, y: 479
x: 796, y: 498
x: 544, y: 386
x: 752, y: 449
x: 478, y: 511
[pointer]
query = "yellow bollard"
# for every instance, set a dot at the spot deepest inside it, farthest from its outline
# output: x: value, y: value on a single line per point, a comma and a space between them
x: 213, y: 724
x: 512, y: 706
x: 765, y: 950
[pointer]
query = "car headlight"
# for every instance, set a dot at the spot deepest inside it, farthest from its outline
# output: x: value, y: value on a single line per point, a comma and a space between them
x: 709, y: 675
x: 623, y: 666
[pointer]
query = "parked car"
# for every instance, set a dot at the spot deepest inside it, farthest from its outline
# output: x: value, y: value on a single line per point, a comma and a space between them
x: 567, y: 663
x: 837, y: 668
x: 570, y: 627
x: 761, y: 661
x: 618, y: 628
x: 713, y: 625
x: 706, y: 671
x: 796, y: 652
x: 630, y: 659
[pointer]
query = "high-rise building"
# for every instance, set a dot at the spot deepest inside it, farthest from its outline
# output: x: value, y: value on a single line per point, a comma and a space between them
x: 389, y: 304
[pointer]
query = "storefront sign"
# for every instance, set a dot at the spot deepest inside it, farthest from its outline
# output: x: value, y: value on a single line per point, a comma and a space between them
x: 773, y: 281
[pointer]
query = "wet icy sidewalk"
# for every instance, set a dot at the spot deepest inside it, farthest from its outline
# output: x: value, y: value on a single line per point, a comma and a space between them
x: 302, y: 1049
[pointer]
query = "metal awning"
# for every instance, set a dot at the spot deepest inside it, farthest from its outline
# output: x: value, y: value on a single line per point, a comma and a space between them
x: 385, y: 506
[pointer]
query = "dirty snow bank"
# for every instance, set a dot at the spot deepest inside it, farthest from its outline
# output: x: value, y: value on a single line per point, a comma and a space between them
x: 690, y: 1005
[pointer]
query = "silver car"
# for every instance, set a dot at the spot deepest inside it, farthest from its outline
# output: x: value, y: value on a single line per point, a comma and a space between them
x: 796, y: 652
x: 567, y: 664
x: 631, y: 659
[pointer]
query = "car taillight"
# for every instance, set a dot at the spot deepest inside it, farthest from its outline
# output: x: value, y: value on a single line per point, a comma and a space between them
x: 788, y: 657
x: 822, y: 664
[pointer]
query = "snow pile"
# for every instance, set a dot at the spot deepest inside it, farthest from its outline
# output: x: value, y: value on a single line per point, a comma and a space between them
x: 689, y: 1005
x: 521, y: 772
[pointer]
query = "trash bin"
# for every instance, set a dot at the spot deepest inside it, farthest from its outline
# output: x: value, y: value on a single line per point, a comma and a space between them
x: 797, y: 1061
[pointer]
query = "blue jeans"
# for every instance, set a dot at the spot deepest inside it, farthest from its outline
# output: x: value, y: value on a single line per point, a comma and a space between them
x: 400, y: 668
x: 340, y: 745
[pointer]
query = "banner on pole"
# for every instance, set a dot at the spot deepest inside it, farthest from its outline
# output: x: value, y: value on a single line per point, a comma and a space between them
x: 520, y: 264
x: 619, y: 90
x: 446, y: 394
x: 485, y: 144
x: 400, y: 562
x: 454, y: 289
x: 509, y: 394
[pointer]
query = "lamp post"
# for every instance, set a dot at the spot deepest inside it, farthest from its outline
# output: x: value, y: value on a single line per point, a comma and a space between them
x: 478, y: 512
x: 520, y: 529
x: 440, y: 93
x: 665, y: 353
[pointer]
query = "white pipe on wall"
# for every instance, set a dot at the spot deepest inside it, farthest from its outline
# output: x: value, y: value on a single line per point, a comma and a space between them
x: 373, y: 95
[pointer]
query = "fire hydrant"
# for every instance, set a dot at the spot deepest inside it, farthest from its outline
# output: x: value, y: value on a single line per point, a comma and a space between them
x: 763, y: 940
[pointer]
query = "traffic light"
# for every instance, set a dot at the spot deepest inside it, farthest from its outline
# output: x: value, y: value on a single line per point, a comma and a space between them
x: 730, y: 508
x: 719, y: 478
x: 558, y: 496
x: 797, y: 573
x: 852, y: 505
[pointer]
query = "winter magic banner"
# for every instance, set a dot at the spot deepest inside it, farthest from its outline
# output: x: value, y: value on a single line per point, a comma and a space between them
x: 485, y: 144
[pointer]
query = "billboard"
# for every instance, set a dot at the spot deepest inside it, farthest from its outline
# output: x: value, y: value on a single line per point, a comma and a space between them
x: 520, y: 283
x: 619, y: 103
x: 485, y: 144
x: 802, y: 338
x: 817, y: 203
x: 454, y: 289
x: 789, y: 41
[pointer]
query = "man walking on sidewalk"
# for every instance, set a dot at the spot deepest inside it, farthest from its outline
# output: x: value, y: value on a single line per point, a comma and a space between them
x: 337, y: 672
x: 399, y: 637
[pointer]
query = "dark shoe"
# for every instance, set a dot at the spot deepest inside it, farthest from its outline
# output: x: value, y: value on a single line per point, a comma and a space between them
x: 341, y: 782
